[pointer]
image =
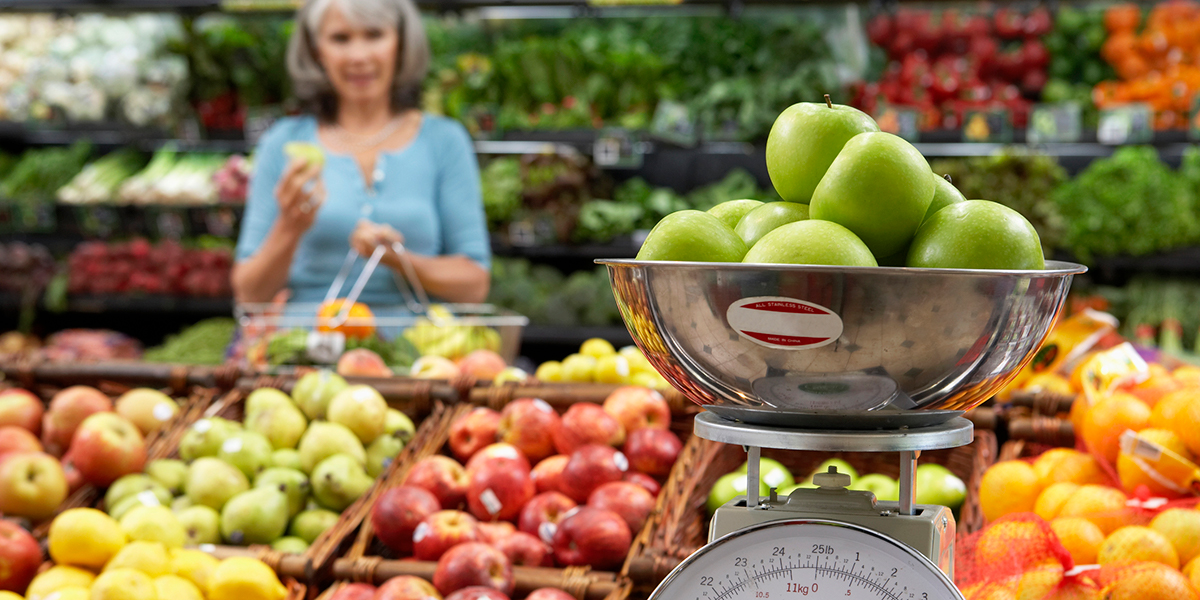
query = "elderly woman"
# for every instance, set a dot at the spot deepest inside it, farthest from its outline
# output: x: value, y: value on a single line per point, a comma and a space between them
x: 392, y: 173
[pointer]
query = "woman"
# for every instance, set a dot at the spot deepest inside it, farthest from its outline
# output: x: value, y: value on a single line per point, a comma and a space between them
x: 391, y: 173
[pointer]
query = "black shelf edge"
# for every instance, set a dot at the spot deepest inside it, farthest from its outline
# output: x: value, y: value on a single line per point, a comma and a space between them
x: 586, y: 252
x: 549, y: 334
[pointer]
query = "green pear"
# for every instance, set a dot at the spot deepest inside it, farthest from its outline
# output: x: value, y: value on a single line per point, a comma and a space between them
x: 398, y: 421
x: 339, y: 480
x: 361, y: 409
x: 263, y: 399
x: 250, y: 452
x: 290, y: 545
x: 127, y: 504
x: 181, y: 503
x: 324, y: 439
x: 381, y: 453
x: 257, y: 516
x: 204, y: 438
x: 282, y: 425
x: 132, y: 485
x: 291, y: 482
x: 286, y: 458
x: 314, y: 390
x: 212, y: 482
x: 168, y: 473
x: 201, y: 525
x: 310, y: 524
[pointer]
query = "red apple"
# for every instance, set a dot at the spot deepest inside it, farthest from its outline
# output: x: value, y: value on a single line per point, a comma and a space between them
x: 653, y: 451
x: 355, y: 591
x: 643, y: 480
x: 478, y: 592
x: 442, y: 531
x: 20, y: 557
x: 22, y: 409
x: 542, y: 513
x: 585, y: 423
x: 547, y: 475
x: 498, y: 489
x: 591, y: 467
x: 526, y: 550
x: 497, y: 451
x: 490, y: 533
x: 67, y: 410
x: 106, y: 448
x: 18, y: 439
x: 406, y: 587
x: 549, y: 594
x: 592, y: 536
x: 362, y: 362
x: 472, y: 432
x: 629, y: 500
x: 470, y: 564
x: 638, y: 408
x: 529, y: 424
x: 398, y: 512
x: 32, y: 485
x: 442, y: 476
x: 482, y: 364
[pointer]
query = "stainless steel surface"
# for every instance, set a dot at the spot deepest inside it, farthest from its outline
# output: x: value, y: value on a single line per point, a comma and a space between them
x: 868, y: 337
x: 753, y: 455
x: 908, y: 480
x: 951, y: 434
x: 887, y: 418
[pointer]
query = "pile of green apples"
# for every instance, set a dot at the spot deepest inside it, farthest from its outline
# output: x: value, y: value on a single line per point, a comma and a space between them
x: 934, y: 484
x: 280, y: 477
x: 852, y: 196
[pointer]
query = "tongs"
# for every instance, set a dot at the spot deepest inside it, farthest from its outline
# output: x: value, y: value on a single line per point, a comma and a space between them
x: 410, y: 286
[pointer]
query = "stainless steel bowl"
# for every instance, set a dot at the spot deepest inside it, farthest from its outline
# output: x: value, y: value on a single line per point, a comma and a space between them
x: 844, y: 347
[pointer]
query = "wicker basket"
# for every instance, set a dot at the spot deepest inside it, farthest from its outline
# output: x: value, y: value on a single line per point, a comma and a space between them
x: 295, y: 589
x: 681, y: 526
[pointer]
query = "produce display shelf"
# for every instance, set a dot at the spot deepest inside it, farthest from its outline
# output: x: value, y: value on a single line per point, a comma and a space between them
x: 573, y: 336
x: 585, y: 252
x: 133, y: 304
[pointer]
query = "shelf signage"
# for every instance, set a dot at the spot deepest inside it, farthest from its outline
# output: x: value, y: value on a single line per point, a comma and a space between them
x: 992, y: 125
x: 1127, y: 124
x: 673, y: 122
x: 168, y: 222
x: 1055, y: 123
x: 900, y: 121
x: 97, y: 221
x: 618, y: 148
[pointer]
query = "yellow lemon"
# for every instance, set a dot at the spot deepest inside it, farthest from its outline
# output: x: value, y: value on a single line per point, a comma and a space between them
x: 70, y: 593
x: 84, y: 537
x: 1008, y: 487
x: 242, y: 578
x: 1136, y: 543
x: 612, y: 369
x: 1081, y: 537
x: 154, y: 524
x: 597, y: 348
x: 123, y: 584
x: 1182, y: 527
x: 194, y: 566
x: 57, y: 578
x: 549, y: 371
x: 7, y: 595
x: 579, y: 368
x: 174, y: 587
x: 637, y: 360
x: 150, y: 558
x: 1051, y: 500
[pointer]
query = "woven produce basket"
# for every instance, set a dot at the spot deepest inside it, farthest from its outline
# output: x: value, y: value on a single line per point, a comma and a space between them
x: 178, y: 379
x: 681, y: 525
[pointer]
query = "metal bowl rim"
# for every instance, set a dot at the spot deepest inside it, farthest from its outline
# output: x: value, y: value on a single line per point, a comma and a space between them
x: 1054, y: 268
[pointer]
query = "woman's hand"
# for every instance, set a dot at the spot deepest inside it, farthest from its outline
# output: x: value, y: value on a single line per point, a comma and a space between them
x: 300, y: 194
x: 367, y: 236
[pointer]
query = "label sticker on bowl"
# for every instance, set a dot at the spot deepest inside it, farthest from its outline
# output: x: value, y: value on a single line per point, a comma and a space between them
x: 787, y: 323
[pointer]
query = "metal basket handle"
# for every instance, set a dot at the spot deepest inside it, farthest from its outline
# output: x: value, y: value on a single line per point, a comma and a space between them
x: 417, y: 304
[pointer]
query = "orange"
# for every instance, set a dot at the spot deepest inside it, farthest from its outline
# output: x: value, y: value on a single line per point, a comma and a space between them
x: 1159, y: 384
x: 1079, y: 409
x: 1192, y: 572
x: 1067, y: 464
x: 1076, y: 589
x: 1008, y: 487
x: 1051, y: 500
x: 1149, y: 581
x: 1187, y: 426
x: 1167, y: 412
x: 1102, y: 505
x: 1182, y: 527
x: 1080, y: 537
x: 1108, y: 419
x: 1037, y: 583
x: 1013, y: 546
x: 360, y: 322
x: 1188, y: 375
x: 991, y: 590
x: 1136, y: 543
x: 1133, y: 473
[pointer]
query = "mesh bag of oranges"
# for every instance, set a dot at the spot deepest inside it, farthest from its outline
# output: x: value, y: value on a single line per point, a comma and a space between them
x: 358, y: 322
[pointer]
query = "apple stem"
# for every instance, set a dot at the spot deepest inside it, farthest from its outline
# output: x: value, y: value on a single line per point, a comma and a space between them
x: 828, y: 102
x: 947, y: 176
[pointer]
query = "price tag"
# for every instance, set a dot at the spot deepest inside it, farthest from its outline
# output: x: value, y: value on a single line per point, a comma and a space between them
x: 36, y: 218
x: 1060, y: 122
x: 993, y: 125
x: 325, y: 347
x: 899, y: 121
x: 673, y: 122
x: 618, y: 149
x: 97, y: 221
x: 169, y: 223
x: 522, y: 234
x: 220, y: 221
x: 1128, y: 124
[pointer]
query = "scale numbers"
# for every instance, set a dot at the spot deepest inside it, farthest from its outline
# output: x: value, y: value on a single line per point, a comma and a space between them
x: 803, y: 559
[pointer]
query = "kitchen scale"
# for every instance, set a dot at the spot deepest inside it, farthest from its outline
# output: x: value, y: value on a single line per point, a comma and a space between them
x: 825, y: 358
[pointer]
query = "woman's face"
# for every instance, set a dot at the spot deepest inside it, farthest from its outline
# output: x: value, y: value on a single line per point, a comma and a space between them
x: 359, y: 60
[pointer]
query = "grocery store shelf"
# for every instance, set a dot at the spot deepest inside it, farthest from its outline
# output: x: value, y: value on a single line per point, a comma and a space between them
x: 134, y: 304
x: 586, y: 252
x: 1114, y: 269
x: 574, y: 336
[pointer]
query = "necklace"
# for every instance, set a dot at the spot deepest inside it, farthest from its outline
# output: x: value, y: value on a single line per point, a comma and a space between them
x: 371, y: 142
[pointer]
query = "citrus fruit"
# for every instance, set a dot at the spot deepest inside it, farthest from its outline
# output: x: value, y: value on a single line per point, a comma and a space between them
x: 1159, y: 384
x: 1079, y: 410
x: 71, y: 593
x: 1182, y: 527
x: 123, y: 584
x: 194, y: 566
x: 1008, y: 487
x: 1167, y: 412
x: 241, y: 578
x: 173, y: 587
x: 612, y: 368
x: 637, y: 360
x: 1040, y: 580
x: 550, y: 370
x: 597, y: 347
x: 1188, y: 375
x: 153, y: 524
x: 579, y: 368
x: 84, y: 537
x: 1080, y: 537
x: 358, y: 324
x: 1051, y: 500
x: 1102, y: 505
x: 1067, y: 464
x: 1192, y: 572
x: 150, y: 558
x: 305, y: 151
x: 7, y: 595
x: 57, y: 578
x: 1187, y: 426
x: 1049, y: 382
x: 1133, y: 472
x: 1149, y: 581
x: 1108, y: 419
x: 1136, y: 543
x: 1014, y: 546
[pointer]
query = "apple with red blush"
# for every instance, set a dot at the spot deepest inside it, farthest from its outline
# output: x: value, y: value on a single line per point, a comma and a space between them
x: 490, y: 533
x: 473, y: 564
x: 67, y: 411
x: 547, y: 475
x: 443, y: 476
x: 18, y: 439
x: 406, y: 587
x: 478, y: 592
x: 653, y: 451
x: 498, y: 488
x: 549, y: 594
x: 498, y: 451
x: 591, y: 467
x: 21, y: 408
x: 529, y: 424
x: 397, y: 513
x: 20, y: 557
x: 107, y: 447
x: 472, y: 432
x: 541, y: 514
x: 592, y: 536
x: 526, y: 550
x: 629, y: 500
x: 585, y: 423
x: 482, y: 364
x: 442, y: 531
x: 357, y: 591
x: 643, y: 480
x: 638, y: 408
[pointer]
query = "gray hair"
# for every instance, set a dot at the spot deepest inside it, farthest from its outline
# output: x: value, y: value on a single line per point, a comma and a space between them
x: 311, y: 84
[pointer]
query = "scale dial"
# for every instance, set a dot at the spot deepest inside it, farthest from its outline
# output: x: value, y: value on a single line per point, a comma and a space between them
x: 806, y: 559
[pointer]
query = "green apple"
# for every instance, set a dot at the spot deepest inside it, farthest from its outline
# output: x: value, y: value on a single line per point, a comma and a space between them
x: 805, y: 140
x: 305, y: 151
x: 944, y: 194
x: 977, y: 234
x: 879, y: 187
x: 766, y: 218
x: 935, y: 484
x: 771, y: 472
x: 694, y: 236
x: 732, y: 211
x: 289, y: 545
x: 884, y: 487
x: 788, y: 489
x: 811, y: 243
x: 728, y: 487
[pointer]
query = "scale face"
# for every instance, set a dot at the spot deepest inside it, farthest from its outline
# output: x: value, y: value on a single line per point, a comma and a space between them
x: 806, y: 558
